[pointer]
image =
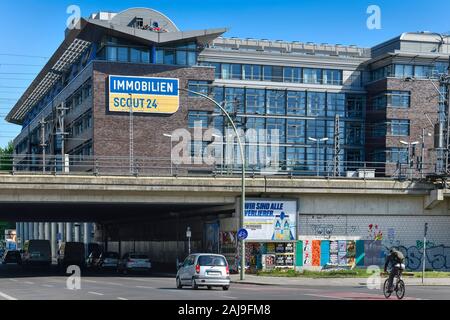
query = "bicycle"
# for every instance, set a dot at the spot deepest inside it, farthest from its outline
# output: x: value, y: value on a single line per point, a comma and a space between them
x: 399, y: 284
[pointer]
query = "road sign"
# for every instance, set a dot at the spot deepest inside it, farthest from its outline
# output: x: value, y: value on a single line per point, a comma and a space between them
x: 188, y: 232
x: 242, y: 234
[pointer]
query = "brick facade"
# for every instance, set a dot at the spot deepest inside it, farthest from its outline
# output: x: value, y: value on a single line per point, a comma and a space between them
x: 111, y: 130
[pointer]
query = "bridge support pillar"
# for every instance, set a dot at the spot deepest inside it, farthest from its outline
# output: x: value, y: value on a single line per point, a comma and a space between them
x: 25, y: 233
x: 47, y: 231
x: 69, y: 231
x: 86, y: 236
x: 76, y: 229
x: 41, y: 231
x: 53, y: 239
x: 35, y: 230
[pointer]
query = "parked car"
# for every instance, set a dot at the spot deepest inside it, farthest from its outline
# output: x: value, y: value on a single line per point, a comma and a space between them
x: 109, y: 260
x: 204, y: 269
x: 37, y: 252
x: 134, y: 262
x: 11, y: 257
x: 71, y: 253
x: 93, y: 260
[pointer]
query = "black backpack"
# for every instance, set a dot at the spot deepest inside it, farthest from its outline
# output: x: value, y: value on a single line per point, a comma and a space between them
x: 398, y: 257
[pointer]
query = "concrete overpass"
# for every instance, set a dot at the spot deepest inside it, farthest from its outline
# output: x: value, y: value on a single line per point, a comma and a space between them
x: 68, y: 197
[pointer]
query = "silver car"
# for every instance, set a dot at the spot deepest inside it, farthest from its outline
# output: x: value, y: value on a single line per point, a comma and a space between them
x: 204, y: 269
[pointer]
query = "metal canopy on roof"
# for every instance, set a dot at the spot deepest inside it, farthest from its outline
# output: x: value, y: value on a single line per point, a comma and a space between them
x: 69, y: 56
x: 73, y: 46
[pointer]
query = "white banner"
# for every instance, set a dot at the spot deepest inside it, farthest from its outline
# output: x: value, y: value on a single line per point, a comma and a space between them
x: 271, y: 220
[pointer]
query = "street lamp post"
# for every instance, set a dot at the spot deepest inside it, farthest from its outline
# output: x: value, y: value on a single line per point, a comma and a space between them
x: 131, y: 135
x: 171, y: 147
x: 317, y: 141
x: 241, y: 148
x: 409, y: 144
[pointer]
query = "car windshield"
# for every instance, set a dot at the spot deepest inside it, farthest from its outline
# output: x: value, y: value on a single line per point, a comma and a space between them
x: 212, y: 261
x: 138, y: 256
x: 111, y: 255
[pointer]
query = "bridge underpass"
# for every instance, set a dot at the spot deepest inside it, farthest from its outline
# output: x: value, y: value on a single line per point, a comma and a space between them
x: 151, y: 214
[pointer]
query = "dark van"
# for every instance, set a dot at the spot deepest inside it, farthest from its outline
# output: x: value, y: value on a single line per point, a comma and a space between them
x: 71, y: 253
x: 37, y: 252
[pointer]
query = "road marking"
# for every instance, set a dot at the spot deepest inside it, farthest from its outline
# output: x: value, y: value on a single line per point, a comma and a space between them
x: 228, y: 297
x: 7, y: 297
x: 48, y: 285
x: 96, y: 293
x: 91, y: 281
x: 113, y: 283
x: 15, y: 280
x: 120, y: 298
x: 325, y: 296
x: 144, y: 287
x: 28, y: 282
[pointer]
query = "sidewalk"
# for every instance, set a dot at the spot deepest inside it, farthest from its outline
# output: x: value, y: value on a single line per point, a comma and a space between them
x: 300, y: 281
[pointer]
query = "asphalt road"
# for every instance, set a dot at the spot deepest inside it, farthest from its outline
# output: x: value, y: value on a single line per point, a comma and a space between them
x: 16, y: 284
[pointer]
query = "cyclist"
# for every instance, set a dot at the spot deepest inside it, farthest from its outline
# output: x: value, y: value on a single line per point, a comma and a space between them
x: 395, y: 259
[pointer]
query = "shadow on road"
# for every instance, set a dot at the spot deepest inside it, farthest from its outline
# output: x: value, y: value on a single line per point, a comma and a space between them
x: 17, y: 271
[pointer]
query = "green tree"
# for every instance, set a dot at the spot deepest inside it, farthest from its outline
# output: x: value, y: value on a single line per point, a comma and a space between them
x: 6, y: 157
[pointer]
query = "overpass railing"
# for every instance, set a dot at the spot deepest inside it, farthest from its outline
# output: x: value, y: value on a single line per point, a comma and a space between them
x: 151, y: 166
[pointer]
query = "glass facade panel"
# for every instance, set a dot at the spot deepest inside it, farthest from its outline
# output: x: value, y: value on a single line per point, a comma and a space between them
x: 276, y: 102
x: 312, y: 76
x: 291, y: 74
x: 255, y: 101
x: 296, y: 131
x: 335, y: 104
x: 296, y: 103
x: 234, y: 100
x: 276, y: 124
x: 316, y: 104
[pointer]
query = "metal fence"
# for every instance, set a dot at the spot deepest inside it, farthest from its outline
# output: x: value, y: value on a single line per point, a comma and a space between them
x: 151, y: 166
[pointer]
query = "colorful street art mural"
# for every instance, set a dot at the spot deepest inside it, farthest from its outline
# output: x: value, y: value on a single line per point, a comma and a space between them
x: 364, y: 253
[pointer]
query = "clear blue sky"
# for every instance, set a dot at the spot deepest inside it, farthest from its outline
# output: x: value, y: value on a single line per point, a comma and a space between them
x: 37, y: 27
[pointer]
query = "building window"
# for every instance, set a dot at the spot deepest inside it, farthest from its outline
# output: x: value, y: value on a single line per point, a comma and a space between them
x: 231, y: 71
x: 200, y: 87
x: 397, y: 155
x: 399, y: 127
x: 398, y: 99
x: 312, y: 76
x: 404, y: 71
x: 273, y: 73
x: 335, y: 104
x: 333, y: 77
x: 198, y: 119
x: 295, y: 131
x: 169, y: 56
x: 355, y: 106
x: 423, y: 72
x: 379, y: 130
x: 276, y: 102
x: 292, y: 74
x: 251, y: 72
x: 276, y: 124
x: 315, y: 129
x: 354, y: 134
x: 255, y: 123
x: 122, y: 54
x: 255, y: 101
x: 296, y: 103
x: 295, y: 158
x: 316, y: 104
x: 234, y: 100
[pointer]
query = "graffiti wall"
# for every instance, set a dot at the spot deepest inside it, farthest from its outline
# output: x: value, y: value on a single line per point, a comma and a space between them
x: 352, y: 240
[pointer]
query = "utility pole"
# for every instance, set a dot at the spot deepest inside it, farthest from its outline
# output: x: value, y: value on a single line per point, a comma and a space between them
x: 424, y: 250
x: 60, y: 131
x: 337, y: 147
x: 43, y: 145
